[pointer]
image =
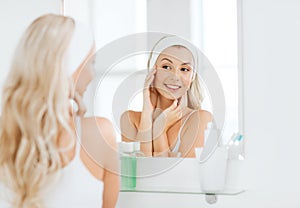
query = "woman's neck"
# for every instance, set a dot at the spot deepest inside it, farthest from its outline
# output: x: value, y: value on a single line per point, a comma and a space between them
x: 163, y: 103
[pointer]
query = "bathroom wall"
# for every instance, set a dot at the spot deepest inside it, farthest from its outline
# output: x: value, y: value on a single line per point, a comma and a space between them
x: 271, y: 31
x: 161, y: 16
x: 15, y: 16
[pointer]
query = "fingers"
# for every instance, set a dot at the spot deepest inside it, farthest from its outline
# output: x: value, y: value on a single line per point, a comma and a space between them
x: 153, y: 72
x: 150, y: 78
x: 178, y: 111
x: 183, y: 101
x: 175, y: 109
x: 173, y: 106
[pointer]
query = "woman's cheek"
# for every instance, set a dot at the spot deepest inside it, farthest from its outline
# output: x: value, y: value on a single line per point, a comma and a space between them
x: 186, y: 81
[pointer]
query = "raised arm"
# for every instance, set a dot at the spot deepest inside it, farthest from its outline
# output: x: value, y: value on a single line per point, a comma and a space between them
x: 137, y: 126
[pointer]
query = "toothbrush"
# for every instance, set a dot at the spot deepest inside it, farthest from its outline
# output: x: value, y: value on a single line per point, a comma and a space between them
x: 239, y: 138
x: 232, y: 139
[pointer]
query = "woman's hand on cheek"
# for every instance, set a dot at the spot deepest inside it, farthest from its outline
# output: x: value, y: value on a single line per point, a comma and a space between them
x: 149, y: 93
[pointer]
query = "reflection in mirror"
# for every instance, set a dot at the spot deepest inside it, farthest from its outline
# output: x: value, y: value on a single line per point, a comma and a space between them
x: 211, y: 25
x: 172, y: 122
x: 185, y: 78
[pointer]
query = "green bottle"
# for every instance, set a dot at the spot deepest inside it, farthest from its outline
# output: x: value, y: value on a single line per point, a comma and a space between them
x: 128, y: 171
x: 128, y: 165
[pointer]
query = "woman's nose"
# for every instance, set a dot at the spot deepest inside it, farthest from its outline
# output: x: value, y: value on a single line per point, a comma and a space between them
x: 174, y: 77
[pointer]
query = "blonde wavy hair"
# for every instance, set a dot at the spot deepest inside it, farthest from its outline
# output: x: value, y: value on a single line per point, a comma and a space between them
x: 35, y: 109
x: 195, y: 93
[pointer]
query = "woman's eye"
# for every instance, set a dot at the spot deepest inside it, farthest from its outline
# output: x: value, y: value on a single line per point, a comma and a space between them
x: 166, y: 67
x: 185, y: 69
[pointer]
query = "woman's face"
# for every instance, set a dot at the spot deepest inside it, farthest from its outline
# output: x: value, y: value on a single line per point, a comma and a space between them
x: 86, y: 73
x: 174, y: 72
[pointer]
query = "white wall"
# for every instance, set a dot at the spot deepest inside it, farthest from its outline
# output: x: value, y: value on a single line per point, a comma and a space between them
x: 15, y: 16
x: 113, y: 19
x: 271, y: 32
x: 169, y: 17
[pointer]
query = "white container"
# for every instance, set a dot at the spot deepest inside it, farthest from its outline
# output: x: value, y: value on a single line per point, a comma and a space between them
x: 235, y: 173
x: 235, y: 166
x: 213, y: 171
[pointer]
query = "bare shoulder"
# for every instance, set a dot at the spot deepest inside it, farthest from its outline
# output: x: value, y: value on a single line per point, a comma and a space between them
x: 100, y: 128
x: 206, y: 115
x: 105, y: 126
x: 203, y: 115
x: 104, y: 123
x: 99, y: 144
x: 100, y: 122
x: 131, y: 116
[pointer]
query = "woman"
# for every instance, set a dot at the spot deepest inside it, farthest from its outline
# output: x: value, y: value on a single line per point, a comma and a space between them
x: 171, y: 122
x: 41, y: 164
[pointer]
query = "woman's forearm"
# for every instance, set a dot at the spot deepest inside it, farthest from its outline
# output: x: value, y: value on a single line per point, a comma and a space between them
x: 144, y: 133
x: 160, y: 140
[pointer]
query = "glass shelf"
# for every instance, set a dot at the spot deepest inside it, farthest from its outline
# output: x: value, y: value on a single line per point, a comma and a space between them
x: 164, y: 175
x: 224, y: 192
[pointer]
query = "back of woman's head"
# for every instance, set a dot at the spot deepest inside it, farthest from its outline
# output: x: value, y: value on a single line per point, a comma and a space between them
x: 35, y: 108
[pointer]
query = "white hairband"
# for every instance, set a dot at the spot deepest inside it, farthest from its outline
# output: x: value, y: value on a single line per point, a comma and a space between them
x: 80, y: 46
x: 168, y: 41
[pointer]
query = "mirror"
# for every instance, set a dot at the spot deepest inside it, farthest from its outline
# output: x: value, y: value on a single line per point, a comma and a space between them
x: 210, y: 25
x: 129, y: 92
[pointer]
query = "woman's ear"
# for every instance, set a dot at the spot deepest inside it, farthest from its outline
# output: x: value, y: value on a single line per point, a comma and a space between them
x: 152, y: 84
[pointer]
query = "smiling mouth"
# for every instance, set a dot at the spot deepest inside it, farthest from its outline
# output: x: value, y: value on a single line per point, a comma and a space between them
x: 172, y: 87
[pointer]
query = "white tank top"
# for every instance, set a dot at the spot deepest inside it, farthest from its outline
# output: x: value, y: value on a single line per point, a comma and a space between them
x: 74, y: 187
